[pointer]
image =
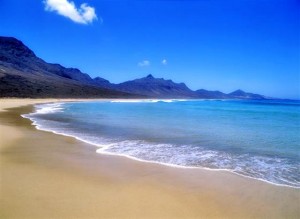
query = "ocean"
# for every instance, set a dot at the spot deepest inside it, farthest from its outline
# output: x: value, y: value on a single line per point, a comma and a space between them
x: 253, y: 138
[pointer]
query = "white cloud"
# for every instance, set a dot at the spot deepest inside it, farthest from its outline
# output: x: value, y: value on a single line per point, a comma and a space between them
x: 144, y: 63
x: 164, y: 62
x: 84, y: 15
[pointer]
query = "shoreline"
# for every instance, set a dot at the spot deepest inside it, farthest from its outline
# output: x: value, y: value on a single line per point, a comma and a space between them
x: 143, y: 189
x: 100, y: 148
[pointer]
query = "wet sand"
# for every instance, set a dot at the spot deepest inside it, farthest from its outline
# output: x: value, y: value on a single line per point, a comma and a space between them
x: 44, y: 175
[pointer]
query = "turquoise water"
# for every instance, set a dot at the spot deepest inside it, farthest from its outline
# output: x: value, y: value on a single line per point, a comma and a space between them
x: 259, y: 139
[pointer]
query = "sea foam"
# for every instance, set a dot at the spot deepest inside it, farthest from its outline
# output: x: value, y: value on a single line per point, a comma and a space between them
x: 198, y: 134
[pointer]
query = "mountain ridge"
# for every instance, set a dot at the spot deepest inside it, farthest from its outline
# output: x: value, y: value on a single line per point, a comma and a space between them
x: 23, y: 74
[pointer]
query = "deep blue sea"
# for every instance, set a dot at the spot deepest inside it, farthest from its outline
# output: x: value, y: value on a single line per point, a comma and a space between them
x: 259, y: 139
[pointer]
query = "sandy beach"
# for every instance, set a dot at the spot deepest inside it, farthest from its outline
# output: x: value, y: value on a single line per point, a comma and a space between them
x: 44, y: 175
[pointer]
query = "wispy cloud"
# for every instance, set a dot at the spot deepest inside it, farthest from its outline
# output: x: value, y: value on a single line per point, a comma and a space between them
x: 83, y: 15
x: 144, y: 63
x: 164, y: 62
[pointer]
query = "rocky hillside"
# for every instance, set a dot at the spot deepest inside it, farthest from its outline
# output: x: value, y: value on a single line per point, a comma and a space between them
x: 23, y: 74
x: 156, y: 87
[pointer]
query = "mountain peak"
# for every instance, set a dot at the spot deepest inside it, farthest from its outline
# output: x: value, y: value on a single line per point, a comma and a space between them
x: 15, y: 47
x: 240, y: 94
x: 156, y: 87
x: 239, y: 90
x: 101, y: 80
x: 10, y: 40
x: 150, y: 76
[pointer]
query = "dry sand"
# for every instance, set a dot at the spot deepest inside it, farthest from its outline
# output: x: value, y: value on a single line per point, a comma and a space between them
x: 44, y: 175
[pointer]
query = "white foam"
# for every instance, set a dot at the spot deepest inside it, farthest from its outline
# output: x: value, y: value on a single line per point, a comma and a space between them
x: 103, y: 151
x: 261, y: 168
x: 48, y: 108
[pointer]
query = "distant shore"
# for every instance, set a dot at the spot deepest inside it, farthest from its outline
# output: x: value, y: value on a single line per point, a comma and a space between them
x: 44, y: 175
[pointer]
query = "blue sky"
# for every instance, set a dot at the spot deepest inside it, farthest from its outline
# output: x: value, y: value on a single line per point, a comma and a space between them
x: 211, y: 44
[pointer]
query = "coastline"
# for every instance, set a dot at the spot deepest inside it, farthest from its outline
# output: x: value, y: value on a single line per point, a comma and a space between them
x: 101, y: 146
x: 44, y: 175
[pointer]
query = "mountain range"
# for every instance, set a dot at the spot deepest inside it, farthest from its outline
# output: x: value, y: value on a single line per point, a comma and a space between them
x: 23, y: 74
